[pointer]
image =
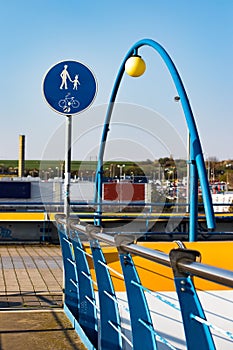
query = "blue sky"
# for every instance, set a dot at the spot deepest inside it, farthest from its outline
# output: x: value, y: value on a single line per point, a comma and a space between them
x: 197, y: 34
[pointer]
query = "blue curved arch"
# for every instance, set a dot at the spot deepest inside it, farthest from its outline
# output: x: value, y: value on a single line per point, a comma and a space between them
x: 195, y: 144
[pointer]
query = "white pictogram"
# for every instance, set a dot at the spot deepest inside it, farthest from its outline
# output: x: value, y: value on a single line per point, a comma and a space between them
x: 64, y: 75
x: 76, y: 82
x: 68, y: 102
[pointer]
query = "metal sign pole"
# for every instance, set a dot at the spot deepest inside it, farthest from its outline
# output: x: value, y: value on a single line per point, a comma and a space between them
x: 69, y: 87
x: 67, y: 166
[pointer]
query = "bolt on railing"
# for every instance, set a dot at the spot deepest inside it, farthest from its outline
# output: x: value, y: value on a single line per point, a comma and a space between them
x: 92, y: 304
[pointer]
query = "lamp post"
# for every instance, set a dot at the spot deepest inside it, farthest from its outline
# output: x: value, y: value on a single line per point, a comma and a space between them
x: 132, y: 176
x: 228, y: 166
x: 120, y: 167
x: 208, y: 167
x: 135, y: 66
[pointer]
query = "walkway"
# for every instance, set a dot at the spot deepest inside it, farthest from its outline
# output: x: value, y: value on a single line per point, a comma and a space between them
x: 31, y: 315
x: 30, y: 276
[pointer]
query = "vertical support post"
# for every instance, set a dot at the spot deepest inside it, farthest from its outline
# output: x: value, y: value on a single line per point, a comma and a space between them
x: 70, y: 274
x: 67, y: 166
x: 193, y: 198
x: 110, y: 338
x: 87, y: 310
x: 143, y: 334
x: 198, y: 335
x: 99, y: 195
x: 143, y: 337
x: 188, y: 173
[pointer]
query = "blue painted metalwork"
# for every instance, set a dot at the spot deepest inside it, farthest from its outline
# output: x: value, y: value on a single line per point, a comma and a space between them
x: 193, y: 198
x: 198, y: 335
x: 82, y: 335
x: 70, y: 274
x: 184, y: 265
x: 139, y: 313
x: 87, y: 310
x: 109, y: 313
x: 194, y: 138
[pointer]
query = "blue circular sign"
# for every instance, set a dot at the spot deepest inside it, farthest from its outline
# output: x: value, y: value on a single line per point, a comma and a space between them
x: 69, y: 87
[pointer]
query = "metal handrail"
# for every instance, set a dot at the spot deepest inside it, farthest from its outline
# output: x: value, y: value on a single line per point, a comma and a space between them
x: 105, y: 331
x: 208, y: 272
x: 107, y: 203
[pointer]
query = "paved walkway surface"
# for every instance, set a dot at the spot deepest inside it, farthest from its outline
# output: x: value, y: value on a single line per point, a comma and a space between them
x: 30, y: 276
x: 36, y: 330
x: 31, y: 314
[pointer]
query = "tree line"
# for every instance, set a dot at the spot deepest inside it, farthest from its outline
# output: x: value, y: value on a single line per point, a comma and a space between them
x: 162, y: 168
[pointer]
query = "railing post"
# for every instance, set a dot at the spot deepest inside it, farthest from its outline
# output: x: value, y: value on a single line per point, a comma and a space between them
x: 193, y: 198
x: 143, y: 334
x: 70, y: 274
x: 198, y: 335
x: 87, y: 302
x: 110, y: 338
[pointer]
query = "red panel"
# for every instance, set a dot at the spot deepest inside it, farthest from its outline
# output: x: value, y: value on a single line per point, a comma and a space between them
x: 110, y: 193
x: 124, y: 192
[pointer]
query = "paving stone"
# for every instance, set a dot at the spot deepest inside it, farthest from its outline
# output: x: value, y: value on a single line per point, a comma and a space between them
x: 27, y: 272
x: 38, y: 330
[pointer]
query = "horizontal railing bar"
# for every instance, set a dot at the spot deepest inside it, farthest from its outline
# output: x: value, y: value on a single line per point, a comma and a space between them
x: 93, y: 303
x: 105, y: 238
x: 217, y: 329
x: 73, y: 282
x: 111, y: 269
x: 70, y: 261
x: 159, y: 337
x: 84, y: 252
x: 90, y: 278
x: 147, y: 253
x: 60, y: 219
x: 116, y: 300
x: 214, y: 274
x: 105, y: 203
x: 211, y: 273
x: 121, y: 334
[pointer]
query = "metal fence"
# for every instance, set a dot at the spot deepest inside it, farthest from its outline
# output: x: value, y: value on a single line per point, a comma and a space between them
x: 95, y: 307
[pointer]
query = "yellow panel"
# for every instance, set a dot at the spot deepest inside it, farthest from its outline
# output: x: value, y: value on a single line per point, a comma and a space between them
x: 21, y: 216
x: 160, y: 278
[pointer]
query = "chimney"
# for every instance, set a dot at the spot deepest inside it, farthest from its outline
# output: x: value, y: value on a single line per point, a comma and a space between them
x: 21, y: 161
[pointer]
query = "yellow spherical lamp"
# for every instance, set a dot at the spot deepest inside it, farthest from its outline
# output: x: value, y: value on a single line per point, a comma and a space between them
x: 135, y: 66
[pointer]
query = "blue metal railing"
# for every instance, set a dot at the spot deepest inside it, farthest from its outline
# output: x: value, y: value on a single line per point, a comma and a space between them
x: 93, y: 306
x: 153, y: 221
x: 76, y: 204
x: 57, y: 206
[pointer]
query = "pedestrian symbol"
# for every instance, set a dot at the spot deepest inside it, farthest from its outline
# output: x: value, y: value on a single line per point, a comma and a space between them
x: 64, y: 75
x: 69, y: 87
x: 76, y: 82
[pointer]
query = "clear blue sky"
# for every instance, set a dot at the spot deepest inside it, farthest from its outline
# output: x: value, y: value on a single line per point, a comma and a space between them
x: 198, y: 35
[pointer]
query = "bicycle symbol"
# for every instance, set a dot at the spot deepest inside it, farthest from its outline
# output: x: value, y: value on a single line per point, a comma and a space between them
x: 68, y: 102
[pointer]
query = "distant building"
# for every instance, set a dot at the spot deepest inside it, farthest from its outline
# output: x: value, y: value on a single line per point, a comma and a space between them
x: 222, y: 201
